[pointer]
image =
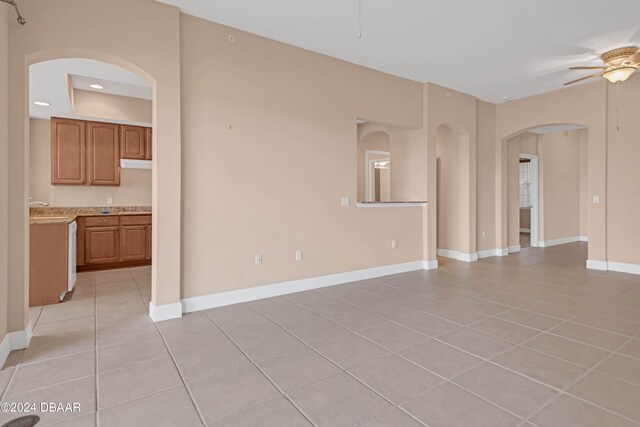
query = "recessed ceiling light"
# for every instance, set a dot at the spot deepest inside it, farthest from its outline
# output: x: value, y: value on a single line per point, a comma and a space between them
x: 42, y: 103
x: 96, y: 86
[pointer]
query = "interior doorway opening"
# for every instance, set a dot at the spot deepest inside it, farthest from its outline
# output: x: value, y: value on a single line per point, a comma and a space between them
x: 90, y: 186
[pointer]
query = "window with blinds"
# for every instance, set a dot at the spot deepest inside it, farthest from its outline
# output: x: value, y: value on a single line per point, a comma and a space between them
x: 525, y: 183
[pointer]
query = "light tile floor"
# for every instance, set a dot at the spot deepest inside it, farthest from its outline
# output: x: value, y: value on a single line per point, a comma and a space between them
x: 532, y: 339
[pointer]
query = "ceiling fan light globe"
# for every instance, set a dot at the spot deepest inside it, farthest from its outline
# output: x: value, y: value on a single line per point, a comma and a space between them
x: 619, y: 74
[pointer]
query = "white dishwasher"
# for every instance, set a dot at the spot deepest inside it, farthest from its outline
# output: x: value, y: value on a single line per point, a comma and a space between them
x: 73, y: 227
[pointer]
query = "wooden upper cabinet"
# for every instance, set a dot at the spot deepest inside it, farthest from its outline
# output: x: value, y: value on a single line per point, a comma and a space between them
x: 132, y: 142
x: 148, y: 133
x: 68, y: 151
x: 103, y: 158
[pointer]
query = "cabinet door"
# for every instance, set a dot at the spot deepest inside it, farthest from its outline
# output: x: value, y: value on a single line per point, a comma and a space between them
x: 132, y: 142
x: 149, y: 240
x: 148, y: 133
x: 102, y: 245
x: 133, y: 242
x: 103, y: 153
x: 68, y: 151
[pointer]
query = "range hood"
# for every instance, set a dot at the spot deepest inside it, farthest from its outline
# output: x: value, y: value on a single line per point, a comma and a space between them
x: 135, y: 164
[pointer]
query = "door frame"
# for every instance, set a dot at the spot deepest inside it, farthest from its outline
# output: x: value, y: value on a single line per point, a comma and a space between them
x: 535, y: 201
x: 369, y: 192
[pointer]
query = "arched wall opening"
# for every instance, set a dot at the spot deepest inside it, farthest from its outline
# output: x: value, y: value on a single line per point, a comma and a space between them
x: 63, y: 82
x: 548, y: 204
x: 454, y: 222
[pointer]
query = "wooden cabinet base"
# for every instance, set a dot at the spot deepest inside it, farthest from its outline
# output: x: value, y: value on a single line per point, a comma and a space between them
x: 111, y: 266
x: 48, y: 265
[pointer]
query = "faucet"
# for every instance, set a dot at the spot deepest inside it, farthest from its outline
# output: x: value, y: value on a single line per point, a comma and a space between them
x: 37, y: 202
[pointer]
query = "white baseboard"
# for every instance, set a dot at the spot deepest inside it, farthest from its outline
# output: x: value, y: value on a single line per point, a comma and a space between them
x: 277, y: 289
x: 596, y: 265
x: 525, y: 230
x: 430, y: 265
x: 460, y: 256
x: 17, y: 340
x: 562, y: 241
x: 622, y: 267
x: 158, y: 313
x: 513, y: 249
x: 5, y: 349
x: 584, y: 238
x: 493, y: 252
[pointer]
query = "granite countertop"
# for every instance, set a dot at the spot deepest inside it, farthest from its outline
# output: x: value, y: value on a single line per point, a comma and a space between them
x: 65, y: 215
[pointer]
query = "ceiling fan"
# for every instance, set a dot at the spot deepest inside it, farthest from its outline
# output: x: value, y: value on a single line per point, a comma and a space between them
x: 620, y: 64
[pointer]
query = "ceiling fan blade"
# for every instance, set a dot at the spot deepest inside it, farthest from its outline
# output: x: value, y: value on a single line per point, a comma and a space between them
x: 583, y: 78
x: 589, y: 68
x: 634, y: 59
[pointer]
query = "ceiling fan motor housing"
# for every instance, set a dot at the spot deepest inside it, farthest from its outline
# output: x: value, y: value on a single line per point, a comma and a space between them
x: 617, y: 56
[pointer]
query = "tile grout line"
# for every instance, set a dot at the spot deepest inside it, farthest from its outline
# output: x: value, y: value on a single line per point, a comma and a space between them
x: 308, y: 418
x: 485, y: 359
x: 482, y: 360
x: 342, y: 370
x: 566, y: 389
x: 173, y: 360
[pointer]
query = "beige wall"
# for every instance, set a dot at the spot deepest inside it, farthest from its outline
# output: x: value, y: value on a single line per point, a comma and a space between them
x: 371, y: 141
x: 88, y: 29
x: 583, y: 136
x: 458, y: 112
x: 560, y: 171
x: 623, y: 153
x: 105, y: 106
x: 452, y: 150
x: 525, y: 218
x: 486, y: 175
x: 261, y: 120
x: 4, y: 169
x: 134, y: 189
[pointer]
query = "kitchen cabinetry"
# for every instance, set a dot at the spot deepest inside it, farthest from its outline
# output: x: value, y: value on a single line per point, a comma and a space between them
x: 147, y: 139
x: 114, y: 241
x: 132, y: 142
x: 88, y: 153
x: 103, y: 142
x: 68, y: 158
x: 48, y: 266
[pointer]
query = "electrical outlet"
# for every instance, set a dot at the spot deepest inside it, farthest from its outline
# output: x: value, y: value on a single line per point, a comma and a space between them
x: 596, y: 199
x: 484, y: 233
x: 259, y: 259
x: 346, y: 200
x: 298, y: 255
x: 394, y: 244
x: 109, y: 200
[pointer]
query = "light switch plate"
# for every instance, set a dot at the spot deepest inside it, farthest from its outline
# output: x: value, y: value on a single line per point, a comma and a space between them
x: 346, y: 200
x: 596, y: 199
x: 298, y: 255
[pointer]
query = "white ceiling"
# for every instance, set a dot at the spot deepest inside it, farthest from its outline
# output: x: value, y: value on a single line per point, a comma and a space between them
x: 47, y: 83
x: 487, y: 48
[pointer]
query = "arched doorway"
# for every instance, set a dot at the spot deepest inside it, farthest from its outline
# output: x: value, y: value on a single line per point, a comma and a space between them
x: 545, y: 184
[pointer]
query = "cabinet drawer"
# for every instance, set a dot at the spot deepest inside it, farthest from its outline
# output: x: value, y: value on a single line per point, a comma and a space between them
x: 136, y: 219
x: 101, y: 221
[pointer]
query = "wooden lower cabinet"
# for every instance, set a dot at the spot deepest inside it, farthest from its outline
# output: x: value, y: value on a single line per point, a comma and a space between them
x: 48, y: 252
x: 113, y: 241
x: 102, y: 245
x: 133, y: 242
